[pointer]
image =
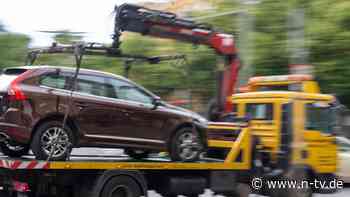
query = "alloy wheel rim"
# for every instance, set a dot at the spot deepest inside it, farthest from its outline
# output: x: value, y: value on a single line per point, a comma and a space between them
x: 188, y: 146
x: 55, y: 142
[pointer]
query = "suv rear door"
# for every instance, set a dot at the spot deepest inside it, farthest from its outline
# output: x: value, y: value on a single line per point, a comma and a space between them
x: 51, y: 96
x: 94, y: 109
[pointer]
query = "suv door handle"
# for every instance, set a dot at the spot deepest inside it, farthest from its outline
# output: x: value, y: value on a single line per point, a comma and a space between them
x: 82, y: 104
x: 125, y: 112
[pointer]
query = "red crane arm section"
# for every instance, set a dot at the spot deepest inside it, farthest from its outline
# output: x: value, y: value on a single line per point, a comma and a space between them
x: 160, y: 24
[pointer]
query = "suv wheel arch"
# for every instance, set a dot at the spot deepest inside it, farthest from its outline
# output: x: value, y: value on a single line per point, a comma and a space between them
x: 71, y: 123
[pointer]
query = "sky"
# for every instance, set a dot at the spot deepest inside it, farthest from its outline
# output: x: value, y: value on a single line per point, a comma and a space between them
x: 30, y: 17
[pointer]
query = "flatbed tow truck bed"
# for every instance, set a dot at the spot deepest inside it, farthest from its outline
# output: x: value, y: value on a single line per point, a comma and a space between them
x: 113, y: 162
x: 111, y: 176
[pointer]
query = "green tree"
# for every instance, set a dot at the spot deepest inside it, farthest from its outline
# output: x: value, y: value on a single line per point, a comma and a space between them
x: 13, y: 49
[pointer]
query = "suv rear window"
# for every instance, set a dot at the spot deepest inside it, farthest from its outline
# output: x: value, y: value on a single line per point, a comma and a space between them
x: 14, y: 71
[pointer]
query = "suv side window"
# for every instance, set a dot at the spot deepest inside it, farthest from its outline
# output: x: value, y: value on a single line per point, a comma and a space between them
x: 95, y: 85
x: 54, y: 80
x: 130, y: 92
x: 260, y: 111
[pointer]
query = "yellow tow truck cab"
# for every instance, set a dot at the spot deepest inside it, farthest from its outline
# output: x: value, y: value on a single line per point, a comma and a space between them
x: 294, y: 82
x: 294, y: 128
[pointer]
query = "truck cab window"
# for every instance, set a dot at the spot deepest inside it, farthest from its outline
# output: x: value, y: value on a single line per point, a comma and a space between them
x: 320, y: 118
x: 260, y: 111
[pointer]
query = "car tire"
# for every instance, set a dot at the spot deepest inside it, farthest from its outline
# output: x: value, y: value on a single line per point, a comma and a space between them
x: 186, y: 145
x: 50, y: 136
x: 14, y: 149
x: 136, y: 154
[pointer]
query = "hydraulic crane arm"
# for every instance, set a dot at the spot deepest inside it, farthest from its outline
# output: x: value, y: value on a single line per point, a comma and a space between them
x: 160, y: 24
x: 155, y: 23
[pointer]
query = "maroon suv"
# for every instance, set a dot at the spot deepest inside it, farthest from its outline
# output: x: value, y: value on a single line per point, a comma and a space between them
x: 106, y: 111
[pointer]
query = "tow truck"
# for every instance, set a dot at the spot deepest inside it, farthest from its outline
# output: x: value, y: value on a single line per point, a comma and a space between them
x: 229, y: 175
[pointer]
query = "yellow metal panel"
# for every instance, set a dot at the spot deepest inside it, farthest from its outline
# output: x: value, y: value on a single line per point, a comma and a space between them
x: 282, y: 94
x: 311, y: 87
x: 224, y: 127
x: 142, y: 166
x: 220, y: 144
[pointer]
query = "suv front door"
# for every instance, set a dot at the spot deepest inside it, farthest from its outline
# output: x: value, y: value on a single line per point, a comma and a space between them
x: 143, y: 123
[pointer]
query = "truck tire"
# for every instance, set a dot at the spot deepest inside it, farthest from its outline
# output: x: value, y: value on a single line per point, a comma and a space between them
x: 13, y: 150
x: 121, y: 186
x: 186, y: 145
x: 4, y: 194
x: 242, y: 190
x: 45, y: 137
x: 293, y: 174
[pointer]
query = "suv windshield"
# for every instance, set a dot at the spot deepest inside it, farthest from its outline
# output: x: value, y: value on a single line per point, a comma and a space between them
x: 320, y: 118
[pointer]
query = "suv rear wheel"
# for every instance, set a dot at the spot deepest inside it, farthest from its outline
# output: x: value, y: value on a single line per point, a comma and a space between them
x: 13, y: 149
x: 52, y: 142
x: 186, y: 145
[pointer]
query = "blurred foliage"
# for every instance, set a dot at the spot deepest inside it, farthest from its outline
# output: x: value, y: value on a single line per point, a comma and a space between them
x: 327, y: 31
x: 66, y: 37
x: 327, y: 37
x: 13, y: 48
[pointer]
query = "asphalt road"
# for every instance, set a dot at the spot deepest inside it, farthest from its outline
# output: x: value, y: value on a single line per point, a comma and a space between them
x: 108, y: 153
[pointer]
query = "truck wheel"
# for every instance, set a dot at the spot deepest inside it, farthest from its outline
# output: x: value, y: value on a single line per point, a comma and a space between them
x: 121, y: 186
x: 295, y: 174
x: 242, y: 190
x: 136, y: 154
x: 299, y: 174
x: 186, y: 145
x: 51, y: 139
x: 4, y: 194
x: 13, y: 149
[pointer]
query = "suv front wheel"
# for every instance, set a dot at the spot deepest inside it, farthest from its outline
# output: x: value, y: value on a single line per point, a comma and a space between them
x: 52, y: 142
x: 186, y: 145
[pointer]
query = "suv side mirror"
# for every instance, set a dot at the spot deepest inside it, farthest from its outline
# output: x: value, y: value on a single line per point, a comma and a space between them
x: 156, y: 102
